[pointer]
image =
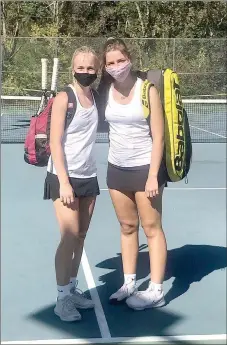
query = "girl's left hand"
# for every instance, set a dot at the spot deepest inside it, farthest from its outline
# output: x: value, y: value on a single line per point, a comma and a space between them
x: 151, y: 188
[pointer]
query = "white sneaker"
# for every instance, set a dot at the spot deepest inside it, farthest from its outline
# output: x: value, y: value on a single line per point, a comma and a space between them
x: 124, y: 292
x: 66, y: 310
x: 80, y: 300
x: 149, y: 298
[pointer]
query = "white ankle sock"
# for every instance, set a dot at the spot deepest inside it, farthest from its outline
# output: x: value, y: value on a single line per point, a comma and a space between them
x: 130, y: 279
x: 73, y: 281
x: 63, y: 291
x: 156, y: 287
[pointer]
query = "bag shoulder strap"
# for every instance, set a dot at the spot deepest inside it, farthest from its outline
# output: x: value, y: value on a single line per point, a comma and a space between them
x: 153, y: 78
x: 95, y: 94
x: 156, y: 77
x: 145, y: 88
x: 96, y: 97
x: 72, y: 105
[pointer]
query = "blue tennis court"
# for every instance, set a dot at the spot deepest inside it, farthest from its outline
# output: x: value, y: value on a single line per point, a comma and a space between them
x: 194, y: 219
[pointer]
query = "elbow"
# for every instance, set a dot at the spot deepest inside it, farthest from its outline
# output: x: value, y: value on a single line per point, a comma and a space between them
x: 54, y: 144
x: 159, y: 140
x: 51, y: 143
x: 162, y: 143
x: 158, y: 144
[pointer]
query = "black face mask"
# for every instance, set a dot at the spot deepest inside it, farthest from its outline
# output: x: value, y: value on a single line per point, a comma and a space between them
x: 85, y: 79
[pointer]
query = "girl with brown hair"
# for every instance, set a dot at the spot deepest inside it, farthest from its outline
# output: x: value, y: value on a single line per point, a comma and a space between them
x: 136, y: 175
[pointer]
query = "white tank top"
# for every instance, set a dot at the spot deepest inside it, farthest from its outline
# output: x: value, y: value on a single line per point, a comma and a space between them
x: 78, y: 143
x: 130, y: 140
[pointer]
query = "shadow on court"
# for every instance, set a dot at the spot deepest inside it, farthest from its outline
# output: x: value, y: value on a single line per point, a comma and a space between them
x: 187, y: 264
x: 85, y: 328
x: 127, y: 323
x: 122, y: 321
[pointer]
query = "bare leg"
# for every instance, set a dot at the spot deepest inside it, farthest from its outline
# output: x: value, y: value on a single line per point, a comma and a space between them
x: 150, y: 211
x: 126, y: 211
x: 86, y: 206
x: 68, y: 219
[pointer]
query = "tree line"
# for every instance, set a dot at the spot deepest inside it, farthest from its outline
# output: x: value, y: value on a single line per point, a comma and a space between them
x: 186, y: 35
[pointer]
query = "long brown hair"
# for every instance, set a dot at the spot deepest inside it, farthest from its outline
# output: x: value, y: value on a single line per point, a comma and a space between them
x: 110, y: 45
x: 106, y: 79
x: 114, y: 44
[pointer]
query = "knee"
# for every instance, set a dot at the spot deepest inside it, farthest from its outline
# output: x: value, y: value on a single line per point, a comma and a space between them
x: 81, y: 236
x: 70, y: 240
x: 129, y: 227
x: 152, y: 229
x: 70, y: 235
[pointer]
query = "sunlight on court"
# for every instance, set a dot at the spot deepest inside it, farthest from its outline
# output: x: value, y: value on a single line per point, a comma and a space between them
x: 196, y: 244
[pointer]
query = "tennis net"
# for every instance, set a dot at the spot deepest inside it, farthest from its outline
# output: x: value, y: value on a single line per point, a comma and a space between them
x: 207, y: 119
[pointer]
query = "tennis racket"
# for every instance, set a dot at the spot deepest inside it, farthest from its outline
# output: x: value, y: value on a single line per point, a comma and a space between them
x: 54, y: 78
x: 44, y: 98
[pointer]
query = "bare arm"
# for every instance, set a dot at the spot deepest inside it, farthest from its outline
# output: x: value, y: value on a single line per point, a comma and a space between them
x: 157, y: 130
x: 56, y: 133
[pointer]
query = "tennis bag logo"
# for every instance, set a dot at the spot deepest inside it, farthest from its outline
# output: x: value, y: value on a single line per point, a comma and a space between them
x: 178, y: 147
x: 144, y: 98
x: 179, y: 159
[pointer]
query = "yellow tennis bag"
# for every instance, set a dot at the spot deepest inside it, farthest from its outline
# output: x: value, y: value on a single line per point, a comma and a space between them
x: 178, y: 146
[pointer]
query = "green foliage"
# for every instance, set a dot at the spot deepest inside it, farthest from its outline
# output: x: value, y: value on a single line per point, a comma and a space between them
x: 57, y: 28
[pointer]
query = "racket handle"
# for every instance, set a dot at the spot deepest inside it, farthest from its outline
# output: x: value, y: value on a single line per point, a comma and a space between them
x: 54, y: 75
x: 41, y: 105
x: 44, y: 74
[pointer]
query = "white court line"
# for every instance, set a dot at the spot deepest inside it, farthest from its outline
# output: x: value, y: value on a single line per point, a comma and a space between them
x: 125, y: 340
x: 103, y: 326
x: 204, y: 130
x: 100, y: 315
x: 183, y: 188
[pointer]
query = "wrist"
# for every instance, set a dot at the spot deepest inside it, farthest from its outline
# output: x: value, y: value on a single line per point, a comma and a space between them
x: 152, y: 175
x: 64, y: 182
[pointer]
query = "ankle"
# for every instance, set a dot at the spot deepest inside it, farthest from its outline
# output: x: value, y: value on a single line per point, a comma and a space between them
x: 157, y: 287
x: 73, y: 281
x: 63, y: 291
x: 130, y: 279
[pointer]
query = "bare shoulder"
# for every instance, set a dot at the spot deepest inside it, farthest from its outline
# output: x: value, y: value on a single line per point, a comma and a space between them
x: 61, y: 99
x: 153, y: 93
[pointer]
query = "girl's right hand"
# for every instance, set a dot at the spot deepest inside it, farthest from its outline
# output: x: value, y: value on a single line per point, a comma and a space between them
x: 67, y: 196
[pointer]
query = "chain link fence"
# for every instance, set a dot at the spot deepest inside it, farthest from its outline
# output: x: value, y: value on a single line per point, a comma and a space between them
x: 200, y: 63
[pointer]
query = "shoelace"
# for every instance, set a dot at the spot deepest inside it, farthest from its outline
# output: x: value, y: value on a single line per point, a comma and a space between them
x: 124, y: 288
x: 146, y: 293
x: 76, y: 291
x: 68, y: 305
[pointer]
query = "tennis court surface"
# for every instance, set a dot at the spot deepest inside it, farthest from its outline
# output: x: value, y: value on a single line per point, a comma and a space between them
x: 194, y: 220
